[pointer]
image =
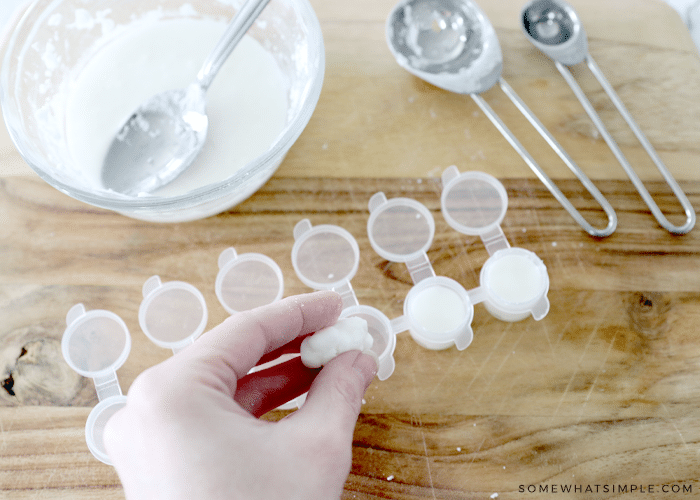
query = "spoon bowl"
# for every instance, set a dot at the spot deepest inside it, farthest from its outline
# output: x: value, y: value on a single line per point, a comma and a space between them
x: 556, y: 30
x: 164, y: 135
x: 452, y: 45
x: 448, y: 43
x: 158, y: 141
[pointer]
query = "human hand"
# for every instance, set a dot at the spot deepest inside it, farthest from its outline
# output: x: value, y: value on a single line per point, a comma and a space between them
x: 190, y: 428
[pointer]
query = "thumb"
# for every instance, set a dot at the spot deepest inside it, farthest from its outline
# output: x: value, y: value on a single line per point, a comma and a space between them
x: 335, y: 397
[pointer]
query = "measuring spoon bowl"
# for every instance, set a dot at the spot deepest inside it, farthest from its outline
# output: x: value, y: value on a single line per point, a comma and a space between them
x: 554, y: 28
x: 448, y: 43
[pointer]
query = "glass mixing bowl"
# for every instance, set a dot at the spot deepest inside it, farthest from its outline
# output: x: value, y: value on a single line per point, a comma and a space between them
x: 53, y: 40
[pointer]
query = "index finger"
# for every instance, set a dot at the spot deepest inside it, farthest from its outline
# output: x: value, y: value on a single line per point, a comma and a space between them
x: 232, y: 348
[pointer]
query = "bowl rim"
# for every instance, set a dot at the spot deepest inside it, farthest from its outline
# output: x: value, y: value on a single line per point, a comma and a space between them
x: 247, y: 174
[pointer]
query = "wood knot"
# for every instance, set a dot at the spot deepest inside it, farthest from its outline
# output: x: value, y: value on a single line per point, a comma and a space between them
x: 33, y: 372
x: 648, y: 313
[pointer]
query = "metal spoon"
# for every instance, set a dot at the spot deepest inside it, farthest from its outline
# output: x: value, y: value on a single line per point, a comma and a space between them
x: 452, y: 44
x: 554, y: 28
x: 166, y: 133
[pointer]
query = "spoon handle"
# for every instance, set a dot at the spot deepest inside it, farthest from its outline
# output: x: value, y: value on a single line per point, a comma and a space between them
x: 243, y: 20
x: 636, y: 181
x: 525, y: 155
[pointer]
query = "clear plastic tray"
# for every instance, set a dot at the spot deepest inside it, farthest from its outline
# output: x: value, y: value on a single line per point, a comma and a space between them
x: 513, y: 282
x: 96, y: 344
x: 437, y: 310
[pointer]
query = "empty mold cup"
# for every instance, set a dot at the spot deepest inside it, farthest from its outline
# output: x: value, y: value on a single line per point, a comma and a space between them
x: 402, y: 230
x: 326, y: 257
x: 474, y: 203
x: 437, y: 311
x: 514, y: 281
x: 247, y: 281
x: 95, y: 344
x: 172, y: 314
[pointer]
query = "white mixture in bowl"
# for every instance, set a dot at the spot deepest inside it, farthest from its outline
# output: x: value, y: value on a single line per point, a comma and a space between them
x: 246, y: 104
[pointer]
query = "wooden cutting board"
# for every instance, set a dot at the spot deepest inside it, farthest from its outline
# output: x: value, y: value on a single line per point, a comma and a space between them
x: 602, y: 393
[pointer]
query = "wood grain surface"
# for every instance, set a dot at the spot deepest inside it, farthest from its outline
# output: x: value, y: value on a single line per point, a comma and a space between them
x: 602, y: 393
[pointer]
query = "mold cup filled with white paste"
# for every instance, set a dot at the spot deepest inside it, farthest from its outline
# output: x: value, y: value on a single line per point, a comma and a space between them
x: 73, y: 72
x: 439, y: 312
x: 516, y: 283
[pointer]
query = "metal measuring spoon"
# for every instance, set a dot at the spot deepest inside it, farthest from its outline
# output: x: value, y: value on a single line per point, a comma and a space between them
x: 554, y: 28
x: 452, y: 45
x: 166, y: 133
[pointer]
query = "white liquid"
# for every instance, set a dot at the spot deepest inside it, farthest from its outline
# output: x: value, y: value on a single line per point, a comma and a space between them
x: 246, y: 103
x: 438, y: 309
x: 515, y: 279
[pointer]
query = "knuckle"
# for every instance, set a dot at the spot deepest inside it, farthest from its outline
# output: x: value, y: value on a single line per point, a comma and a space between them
x: 152, y: 393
